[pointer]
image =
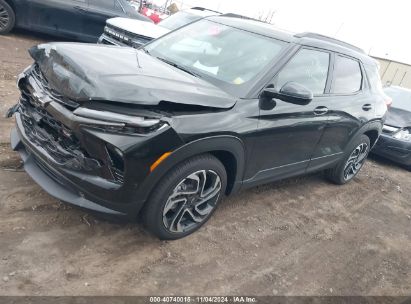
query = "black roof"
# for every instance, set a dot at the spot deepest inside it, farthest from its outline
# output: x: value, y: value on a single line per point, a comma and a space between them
x: 308, y: 39
x: 329, y: 39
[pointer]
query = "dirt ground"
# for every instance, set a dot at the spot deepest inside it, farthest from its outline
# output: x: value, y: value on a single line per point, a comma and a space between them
x: 301, y: 236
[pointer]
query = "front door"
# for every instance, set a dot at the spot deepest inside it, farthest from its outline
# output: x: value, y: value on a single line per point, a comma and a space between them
x: 288, y: 133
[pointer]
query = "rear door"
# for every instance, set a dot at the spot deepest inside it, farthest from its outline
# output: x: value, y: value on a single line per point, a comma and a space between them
x: 58, y: 17
x: 98, y: 12
x: 350, y: 106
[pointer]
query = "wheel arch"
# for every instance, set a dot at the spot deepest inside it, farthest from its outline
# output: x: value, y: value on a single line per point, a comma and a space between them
x: 371, y: 129
x: 373, y: 135
x: 228, y: 149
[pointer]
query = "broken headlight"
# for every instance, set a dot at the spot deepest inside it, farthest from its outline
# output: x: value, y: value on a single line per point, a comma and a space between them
x: 120, y: 123
x: 404, y: 134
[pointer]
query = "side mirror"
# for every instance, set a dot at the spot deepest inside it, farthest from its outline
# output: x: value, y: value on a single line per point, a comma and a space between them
x: 291, y: 92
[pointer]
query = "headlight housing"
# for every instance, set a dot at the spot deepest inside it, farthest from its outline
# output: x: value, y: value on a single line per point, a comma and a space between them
x: 404, y: 134
x: 120, y: 123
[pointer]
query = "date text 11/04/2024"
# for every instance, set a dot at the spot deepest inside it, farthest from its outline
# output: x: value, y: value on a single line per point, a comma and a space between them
x: 199, y: 299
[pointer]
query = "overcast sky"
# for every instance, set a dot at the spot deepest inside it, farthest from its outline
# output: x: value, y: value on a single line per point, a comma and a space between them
x: 382, y: 28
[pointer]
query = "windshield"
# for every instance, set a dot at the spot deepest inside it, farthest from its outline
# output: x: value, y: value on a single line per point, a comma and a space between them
x: 178, y: 20
x: 401, y: 99
x: 231, y: 57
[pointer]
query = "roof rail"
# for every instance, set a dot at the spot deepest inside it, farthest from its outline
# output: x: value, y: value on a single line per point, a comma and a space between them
x: 241, y: 17
x: 199, y: 8
x: 329, y: 39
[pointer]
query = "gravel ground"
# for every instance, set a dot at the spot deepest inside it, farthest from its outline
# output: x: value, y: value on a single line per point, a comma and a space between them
x: 301, y: 236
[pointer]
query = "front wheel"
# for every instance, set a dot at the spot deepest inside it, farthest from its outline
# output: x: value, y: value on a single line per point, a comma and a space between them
x: 185, y: 198
x: 352, y: 163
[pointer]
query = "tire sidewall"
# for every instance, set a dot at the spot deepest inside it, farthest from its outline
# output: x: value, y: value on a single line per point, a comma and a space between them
x: 153, y: 211
x: 12, y: 17
x: 361, y: 139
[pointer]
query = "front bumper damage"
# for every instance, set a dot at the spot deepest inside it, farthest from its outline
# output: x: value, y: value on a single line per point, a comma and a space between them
x: 79, y: 156
x: 49, y: 179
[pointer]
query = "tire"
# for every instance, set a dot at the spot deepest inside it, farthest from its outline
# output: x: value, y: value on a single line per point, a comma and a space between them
x: 185, y: 198
x: 7, y: 18
x: 351, y: 163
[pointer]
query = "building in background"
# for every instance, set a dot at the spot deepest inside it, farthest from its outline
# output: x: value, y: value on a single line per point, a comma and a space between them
x: 394, y: 73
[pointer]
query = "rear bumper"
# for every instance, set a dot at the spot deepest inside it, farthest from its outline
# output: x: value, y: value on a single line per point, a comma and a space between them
x: 393, y: 149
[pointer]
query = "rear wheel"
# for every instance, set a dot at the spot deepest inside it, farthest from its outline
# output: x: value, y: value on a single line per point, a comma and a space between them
x: 7, y: 17
x: 185, y: 198
x: 352, y: 163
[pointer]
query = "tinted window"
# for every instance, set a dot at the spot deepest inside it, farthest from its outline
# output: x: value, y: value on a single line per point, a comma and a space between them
x: 347, y: 76
x: 308, y: 68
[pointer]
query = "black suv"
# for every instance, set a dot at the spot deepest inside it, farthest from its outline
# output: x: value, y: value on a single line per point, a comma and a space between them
x: 168, y: 130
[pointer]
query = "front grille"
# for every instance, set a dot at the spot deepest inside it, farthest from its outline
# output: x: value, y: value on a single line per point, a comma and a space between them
x: 43, y: 83
x: 53, y: 137
x: 125, y: 37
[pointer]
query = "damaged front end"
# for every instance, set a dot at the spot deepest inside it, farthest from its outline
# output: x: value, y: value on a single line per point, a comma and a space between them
x: 55, y: 124
x: 84, y: 146
x: 91, y: 122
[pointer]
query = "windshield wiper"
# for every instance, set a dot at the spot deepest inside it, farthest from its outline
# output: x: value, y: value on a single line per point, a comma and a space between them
x: 180, y: 67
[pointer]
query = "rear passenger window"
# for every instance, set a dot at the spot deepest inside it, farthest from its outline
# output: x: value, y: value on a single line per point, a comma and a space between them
x: 308, y: 68
x: 347, y: 76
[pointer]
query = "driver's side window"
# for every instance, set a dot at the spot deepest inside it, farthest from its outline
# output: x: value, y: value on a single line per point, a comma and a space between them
x: 308, y: 68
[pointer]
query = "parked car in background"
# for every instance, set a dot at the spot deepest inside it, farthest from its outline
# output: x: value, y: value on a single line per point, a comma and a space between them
x: 80, y: 20
x: 128, y: 32
x: 156, y: 15
x: 167, y: 130
x: 395, y: 140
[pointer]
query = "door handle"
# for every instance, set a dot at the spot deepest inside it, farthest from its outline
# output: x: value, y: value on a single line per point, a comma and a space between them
x: 367, y: 107
x: 320, y: 110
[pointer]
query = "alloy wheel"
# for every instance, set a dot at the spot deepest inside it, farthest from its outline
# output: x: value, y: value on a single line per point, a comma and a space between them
x: 355, y: 161
x: 4, y: 18
x: 192, y: 201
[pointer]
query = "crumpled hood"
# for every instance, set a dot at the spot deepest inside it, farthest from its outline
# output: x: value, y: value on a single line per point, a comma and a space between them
x: 84, y: 72
x: 398, y: 118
